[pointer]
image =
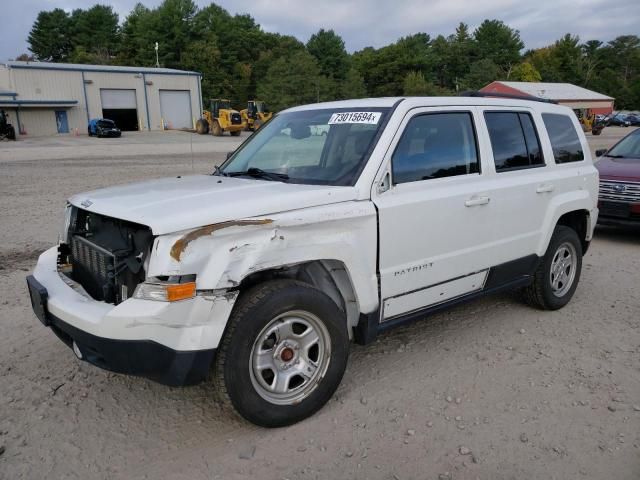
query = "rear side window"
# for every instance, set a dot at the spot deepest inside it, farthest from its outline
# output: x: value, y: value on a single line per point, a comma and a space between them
x: 564, y: 139
x: 436, y: 145
x: 514, y: 140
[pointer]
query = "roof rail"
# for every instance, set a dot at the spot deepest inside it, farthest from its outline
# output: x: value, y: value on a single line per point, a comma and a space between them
x: 477, y: 93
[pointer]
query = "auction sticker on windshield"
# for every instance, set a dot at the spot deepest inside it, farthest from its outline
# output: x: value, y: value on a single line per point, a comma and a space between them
x: 355, y: 117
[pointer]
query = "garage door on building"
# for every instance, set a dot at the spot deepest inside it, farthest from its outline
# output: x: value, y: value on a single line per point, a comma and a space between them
x: 175, y: 108
x: 120, y: 105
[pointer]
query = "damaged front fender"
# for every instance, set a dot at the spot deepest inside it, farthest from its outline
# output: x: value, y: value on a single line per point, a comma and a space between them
x: 222, y: 255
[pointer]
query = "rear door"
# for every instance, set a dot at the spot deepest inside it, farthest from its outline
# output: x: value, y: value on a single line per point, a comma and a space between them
x: 519, y: 181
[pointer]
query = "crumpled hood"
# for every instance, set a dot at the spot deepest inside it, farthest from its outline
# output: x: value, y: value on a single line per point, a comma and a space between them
x: 180, y: 203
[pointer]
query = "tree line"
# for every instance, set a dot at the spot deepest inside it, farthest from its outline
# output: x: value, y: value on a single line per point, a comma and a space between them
x: 240, y: 61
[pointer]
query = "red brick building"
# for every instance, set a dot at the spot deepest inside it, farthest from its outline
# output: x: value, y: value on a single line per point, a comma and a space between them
x: 564, y: 93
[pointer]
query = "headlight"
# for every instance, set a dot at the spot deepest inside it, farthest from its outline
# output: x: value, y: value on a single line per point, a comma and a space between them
x: 64, y: 235
x: 173, y: 290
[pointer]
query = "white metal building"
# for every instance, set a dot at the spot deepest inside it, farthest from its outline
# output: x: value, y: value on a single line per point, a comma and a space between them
x: 566, y: 94
x: 60, y: 98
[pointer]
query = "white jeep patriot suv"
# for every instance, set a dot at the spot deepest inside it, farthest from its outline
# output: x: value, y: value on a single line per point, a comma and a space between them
x: 262, y: 272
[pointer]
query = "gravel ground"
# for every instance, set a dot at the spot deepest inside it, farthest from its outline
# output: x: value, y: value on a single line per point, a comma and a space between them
x: 490, y: 390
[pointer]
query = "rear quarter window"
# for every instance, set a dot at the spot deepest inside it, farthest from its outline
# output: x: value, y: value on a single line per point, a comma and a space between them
x: 564, y: 138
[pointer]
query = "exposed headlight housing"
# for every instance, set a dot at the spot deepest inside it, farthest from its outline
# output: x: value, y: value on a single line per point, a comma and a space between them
x: 171, y: 289
x: 64, y: 235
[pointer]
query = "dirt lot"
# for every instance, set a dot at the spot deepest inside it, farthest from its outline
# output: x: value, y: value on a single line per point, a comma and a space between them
x: 489, y: 390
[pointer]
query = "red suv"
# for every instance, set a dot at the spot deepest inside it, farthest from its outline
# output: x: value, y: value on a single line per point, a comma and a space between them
x: 619, y: 167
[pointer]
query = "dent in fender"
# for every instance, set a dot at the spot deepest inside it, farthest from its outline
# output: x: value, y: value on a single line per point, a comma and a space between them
x: 179, y: 246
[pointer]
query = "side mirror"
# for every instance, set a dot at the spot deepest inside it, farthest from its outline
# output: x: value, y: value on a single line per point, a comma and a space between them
x: 231, y: 153
x: 601, y: 151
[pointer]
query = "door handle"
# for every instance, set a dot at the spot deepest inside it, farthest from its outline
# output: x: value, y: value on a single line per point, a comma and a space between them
x: 545, y: 187
x: 474, y: 201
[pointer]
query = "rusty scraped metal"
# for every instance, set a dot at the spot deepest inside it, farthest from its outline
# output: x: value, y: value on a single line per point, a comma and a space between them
x: 181, y: 244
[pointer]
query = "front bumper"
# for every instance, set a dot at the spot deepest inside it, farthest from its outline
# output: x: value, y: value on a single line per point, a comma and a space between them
x: 619, y: 213
x: 172, y: 343
x: 109, y: 133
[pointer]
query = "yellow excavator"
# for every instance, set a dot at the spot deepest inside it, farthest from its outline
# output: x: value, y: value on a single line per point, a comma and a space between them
x: 255, y: 115
x: 588, y: 121
x: 220, y: 118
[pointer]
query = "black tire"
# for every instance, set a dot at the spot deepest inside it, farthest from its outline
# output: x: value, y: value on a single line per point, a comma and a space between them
x: 202, y: 126
x: 216, y: 129
x: 12, y: 133
x: 235, y: 133
x: 256, y: 309
x: 541, y: 293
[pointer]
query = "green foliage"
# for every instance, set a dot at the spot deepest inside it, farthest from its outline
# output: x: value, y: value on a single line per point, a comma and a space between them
x: 25, y: 57
x: 240, y: 61
x: 353, y: 85
x: 292, y: 80
x: 415, y: 85
x: 497, y: 42
x: 133, y: 41
x: 481, y: 73
x: 49, y: 39
x: 95, y: 31
x: 525, y: 72
x: 204, y: 56
x: 328, y: 49
x: 384, y: 70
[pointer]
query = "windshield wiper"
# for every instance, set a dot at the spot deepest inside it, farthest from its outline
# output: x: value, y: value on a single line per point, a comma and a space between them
x: 616, y: 156
x: 259, y: 173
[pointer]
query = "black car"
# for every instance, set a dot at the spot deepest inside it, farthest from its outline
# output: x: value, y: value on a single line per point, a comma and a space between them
x: 634, y: 120
x: 618, y: 120
x: 102, y: 127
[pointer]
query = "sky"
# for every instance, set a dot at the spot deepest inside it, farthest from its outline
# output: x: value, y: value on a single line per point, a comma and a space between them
x: 375, y: 23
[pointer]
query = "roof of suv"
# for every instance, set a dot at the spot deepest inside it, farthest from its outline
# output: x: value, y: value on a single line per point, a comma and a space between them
x: 426, y: 101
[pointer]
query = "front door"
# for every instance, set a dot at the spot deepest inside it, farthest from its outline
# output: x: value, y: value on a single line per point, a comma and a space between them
x: 437, y: 220
x: 61, y: 121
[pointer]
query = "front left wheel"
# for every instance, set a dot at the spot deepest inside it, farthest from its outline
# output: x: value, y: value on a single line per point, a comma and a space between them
x: 284, y: 353
x: 202, y: 126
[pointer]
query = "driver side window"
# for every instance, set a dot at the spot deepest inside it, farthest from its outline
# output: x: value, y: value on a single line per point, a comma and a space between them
x: 436, y: 145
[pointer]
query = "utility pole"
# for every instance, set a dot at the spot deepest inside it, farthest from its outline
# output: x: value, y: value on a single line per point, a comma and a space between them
x: 157, y: 60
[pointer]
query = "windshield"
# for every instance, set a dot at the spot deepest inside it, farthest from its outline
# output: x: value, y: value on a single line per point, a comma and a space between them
x: 106, y: 123
x: 222, y: 104
x: 628, y: 147
x: 327, y: 146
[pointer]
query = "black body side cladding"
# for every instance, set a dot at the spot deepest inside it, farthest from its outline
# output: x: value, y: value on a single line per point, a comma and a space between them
x: 508, y: 272
x: 367, y: 329
x: 515, y: 274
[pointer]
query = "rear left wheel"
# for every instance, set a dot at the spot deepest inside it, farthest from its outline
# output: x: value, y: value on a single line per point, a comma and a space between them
x: 283, y: 354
